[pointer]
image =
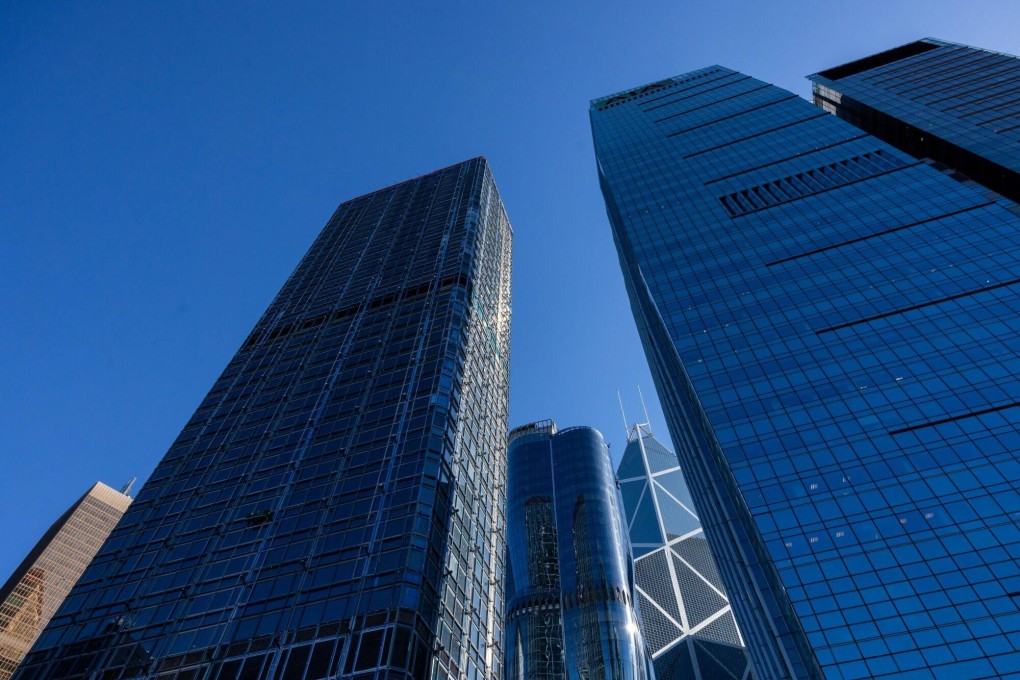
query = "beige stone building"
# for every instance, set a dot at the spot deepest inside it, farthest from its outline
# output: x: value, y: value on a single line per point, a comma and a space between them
x: 39, y: 585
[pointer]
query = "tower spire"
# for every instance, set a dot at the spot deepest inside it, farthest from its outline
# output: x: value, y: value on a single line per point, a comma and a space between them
x: 626, y: 426
x: 647, y: 425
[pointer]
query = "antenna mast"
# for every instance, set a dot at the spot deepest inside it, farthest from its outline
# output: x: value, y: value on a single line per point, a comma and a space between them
x: 648, y: 422
x: 626, y: 428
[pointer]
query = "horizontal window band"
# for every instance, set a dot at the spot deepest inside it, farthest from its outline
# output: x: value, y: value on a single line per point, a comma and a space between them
x: 996, y: 93
x: 949, y: 77
x: 827, y: 189
x: 1012, y: 106
x: 534, y: 601
x: 735, y: 115
x: 714, y: 101
x: 884, y: 232
x: 757, y: 134
x: 828, y: 101
x: 950, y: 419
x: 948, y: 57
x: 1004, y: 105
x: 690, y: 89
x: 630, y: 95
x: 1007, y: 129
x: 974, y: 96
x: 783, y: 160
x: 348, y: 312
x: 919, y: 306
x: 603, y: 592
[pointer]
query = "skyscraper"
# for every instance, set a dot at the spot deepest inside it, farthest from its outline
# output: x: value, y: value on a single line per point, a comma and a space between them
x: 39, y: 585
x: 954, y: 104
x: 334, y: 506
x: 832, y: 326
x: 685, y: 613
x: 570, y: 610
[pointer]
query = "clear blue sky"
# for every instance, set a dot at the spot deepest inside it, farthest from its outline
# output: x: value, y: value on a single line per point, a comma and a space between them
x: 163, y: 166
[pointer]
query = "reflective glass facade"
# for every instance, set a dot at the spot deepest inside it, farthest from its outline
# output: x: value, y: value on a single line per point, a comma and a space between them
x: 335, y: 505
x: 952, y: 103
x: 833, y: 329
x: 685, y: 613
x: 569, y: 606
x: 39, y: 585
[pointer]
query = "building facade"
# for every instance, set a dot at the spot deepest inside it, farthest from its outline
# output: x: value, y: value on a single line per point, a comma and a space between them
x: 955, y: 104
x: 334, y: 506
x: 31, y: 596
x: 569, y: 607
x: 685, y: 613
x: 832, y: 327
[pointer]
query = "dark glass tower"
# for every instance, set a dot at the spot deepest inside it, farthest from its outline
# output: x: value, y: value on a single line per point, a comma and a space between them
x: 685, y: 613
x: 570, y: 611
x: 833, y: 329
x: 334, y: 506
x: 955, y: 104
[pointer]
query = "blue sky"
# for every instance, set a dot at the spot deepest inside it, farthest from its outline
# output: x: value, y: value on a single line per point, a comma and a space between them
x: 163, y: 166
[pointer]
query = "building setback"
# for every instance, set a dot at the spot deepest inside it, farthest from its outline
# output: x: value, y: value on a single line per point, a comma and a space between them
x: 954, y: 104
x: 833, y: 328
x: 334, y: 506
x: 39, y: 585
x: 685, y: 614
x: 570, y: 586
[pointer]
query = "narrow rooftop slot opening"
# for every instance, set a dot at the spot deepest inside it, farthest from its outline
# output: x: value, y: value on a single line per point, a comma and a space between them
x: 876, y: 60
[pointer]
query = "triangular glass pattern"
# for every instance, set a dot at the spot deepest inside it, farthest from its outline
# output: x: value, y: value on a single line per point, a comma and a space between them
x: 631, y: 493
x: 699, y: 600
x: 645, y: 528
x: 631, y: 464
x: 663, y: 502
x: 659, y: 457
x: 713, y: 658
x: 676, y: 520
x: 658, y: 630
x: 695, y: 552
x: 651, y: 573
x: 723, y: 629
x: 675, y: 483
x: 641, y: 552
x: 675, y: 664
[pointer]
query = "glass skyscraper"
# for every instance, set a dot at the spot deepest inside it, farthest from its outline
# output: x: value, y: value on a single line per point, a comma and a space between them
x: 39, y: 585
x: 954, y: 104
x: 335, y: 505
x: 833, y: 328
x: 569, y: 607
x: 685, y: 614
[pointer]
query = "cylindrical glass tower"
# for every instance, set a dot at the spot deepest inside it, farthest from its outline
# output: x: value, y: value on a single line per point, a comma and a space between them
x: 570, y: 611
x: 534, y: 630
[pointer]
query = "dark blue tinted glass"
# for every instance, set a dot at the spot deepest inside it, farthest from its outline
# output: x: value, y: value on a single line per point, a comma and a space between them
x: 955, y: 104
x: 335, y: 504
x: 833, y: 327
